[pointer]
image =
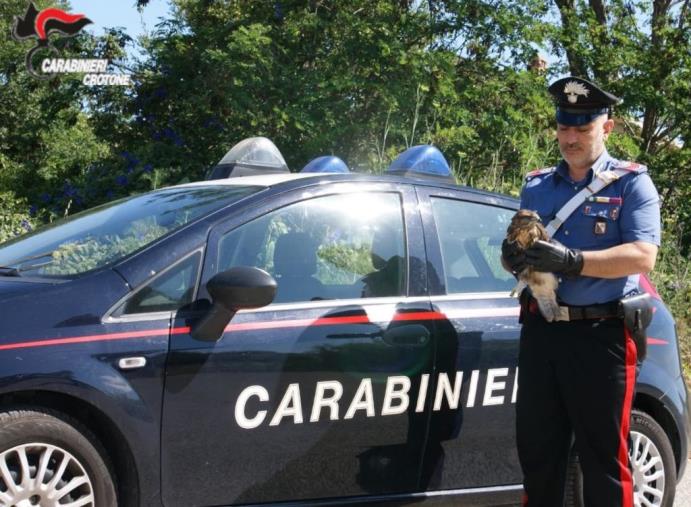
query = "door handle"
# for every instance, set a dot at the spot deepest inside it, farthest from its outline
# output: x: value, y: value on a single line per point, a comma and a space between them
x: 411, y: 335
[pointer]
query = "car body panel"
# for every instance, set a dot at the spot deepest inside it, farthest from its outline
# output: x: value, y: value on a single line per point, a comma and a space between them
x: 480, y: 339
x: 177, y: 413
x: 76, y: 358
x: 276, y: 349
x: 343, y: 342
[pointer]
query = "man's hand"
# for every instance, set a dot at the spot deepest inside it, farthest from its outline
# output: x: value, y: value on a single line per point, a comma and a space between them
x: 553, y: 257
x: 514, y: 257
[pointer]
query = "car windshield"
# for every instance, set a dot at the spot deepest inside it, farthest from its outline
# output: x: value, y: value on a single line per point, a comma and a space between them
x: 107, y: 233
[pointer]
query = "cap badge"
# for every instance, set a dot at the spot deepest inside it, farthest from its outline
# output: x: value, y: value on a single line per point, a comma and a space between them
x: 573, y: 89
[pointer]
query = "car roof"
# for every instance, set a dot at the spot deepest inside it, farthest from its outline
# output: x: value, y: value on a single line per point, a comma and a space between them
x: 281, y: 179
x: 262, y: 180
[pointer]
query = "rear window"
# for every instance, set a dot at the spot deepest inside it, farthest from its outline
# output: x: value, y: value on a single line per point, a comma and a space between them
x: 105, y: 234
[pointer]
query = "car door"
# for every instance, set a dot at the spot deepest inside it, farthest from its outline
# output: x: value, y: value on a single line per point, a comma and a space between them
x: 322, y: 393
x: 472, y: 438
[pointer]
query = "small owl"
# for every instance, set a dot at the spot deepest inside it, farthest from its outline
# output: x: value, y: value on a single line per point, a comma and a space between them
x: 524, y: 230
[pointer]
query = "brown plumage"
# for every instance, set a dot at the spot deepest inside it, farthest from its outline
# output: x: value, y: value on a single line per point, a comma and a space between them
x: 525, y: 229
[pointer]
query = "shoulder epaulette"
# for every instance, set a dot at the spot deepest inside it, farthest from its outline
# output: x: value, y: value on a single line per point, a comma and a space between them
x: 630, y: 166
x: 540, y: 172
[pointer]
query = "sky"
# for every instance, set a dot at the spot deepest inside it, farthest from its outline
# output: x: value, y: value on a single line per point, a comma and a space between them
x: 120, y: 13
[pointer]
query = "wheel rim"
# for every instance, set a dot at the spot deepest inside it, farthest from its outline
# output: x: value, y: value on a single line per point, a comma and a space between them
x: 648, y: 471
x: 39, y: 474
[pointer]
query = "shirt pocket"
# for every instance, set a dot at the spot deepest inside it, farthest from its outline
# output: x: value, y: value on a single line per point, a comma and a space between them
x: 598, y: 225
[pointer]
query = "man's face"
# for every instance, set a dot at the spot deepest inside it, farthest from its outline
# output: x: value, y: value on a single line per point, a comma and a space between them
x: 580, y: 146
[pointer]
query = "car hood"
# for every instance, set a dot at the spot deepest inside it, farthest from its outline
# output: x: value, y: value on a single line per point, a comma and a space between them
x: 10, y: 286
x: 32, y: 307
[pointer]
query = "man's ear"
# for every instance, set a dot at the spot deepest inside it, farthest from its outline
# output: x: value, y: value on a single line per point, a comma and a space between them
x: 608, y: 126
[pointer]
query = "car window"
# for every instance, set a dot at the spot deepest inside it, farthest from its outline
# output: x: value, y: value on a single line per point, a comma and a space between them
x: 102, y: 235
x: 333, y: 247
x: 167, y: 292
x: 470, y: 236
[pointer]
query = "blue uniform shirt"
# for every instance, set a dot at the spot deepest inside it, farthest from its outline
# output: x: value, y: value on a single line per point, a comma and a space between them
x: 632, y: 213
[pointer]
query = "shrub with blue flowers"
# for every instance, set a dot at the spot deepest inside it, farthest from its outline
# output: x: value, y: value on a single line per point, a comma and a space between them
x: 15, y: 218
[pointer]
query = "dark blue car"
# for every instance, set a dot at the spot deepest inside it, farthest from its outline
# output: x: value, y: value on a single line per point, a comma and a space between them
x: 312, y: 338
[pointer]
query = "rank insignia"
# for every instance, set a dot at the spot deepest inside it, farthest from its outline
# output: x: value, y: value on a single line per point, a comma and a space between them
x: 605, y: 200
x: 600, y: 227
x: 614, y: 213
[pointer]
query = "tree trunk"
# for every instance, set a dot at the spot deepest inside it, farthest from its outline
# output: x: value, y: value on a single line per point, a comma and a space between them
x: 600, y: 71
x: 569, y: 26
x: 600, y: 11
x: 659, y: 22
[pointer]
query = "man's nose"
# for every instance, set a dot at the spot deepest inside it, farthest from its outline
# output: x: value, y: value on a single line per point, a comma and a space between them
x: 571, y: 136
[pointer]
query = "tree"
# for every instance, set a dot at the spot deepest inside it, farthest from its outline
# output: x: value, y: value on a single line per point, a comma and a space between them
x: 46, y: 140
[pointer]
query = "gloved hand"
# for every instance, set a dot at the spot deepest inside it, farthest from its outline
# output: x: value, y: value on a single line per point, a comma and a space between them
x: 553, y: 257
x: 513, y: 256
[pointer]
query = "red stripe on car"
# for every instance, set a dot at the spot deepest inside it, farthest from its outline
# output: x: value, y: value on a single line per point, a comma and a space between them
x: 275, y: 324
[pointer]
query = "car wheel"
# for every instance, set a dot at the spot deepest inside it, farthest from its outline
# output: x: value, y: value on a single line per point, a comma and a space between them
x: 49, y: 460
x: 652, y: 462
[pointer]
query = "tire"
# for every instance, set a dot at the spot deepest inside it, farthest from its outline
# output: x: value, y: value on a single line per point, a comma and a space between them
x: 47, y: 459
x: 652, y: 461
x: 651, y: 455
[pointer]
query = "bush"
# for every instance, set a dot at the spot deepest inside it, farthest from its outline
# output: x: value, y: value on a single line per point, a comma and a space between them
x: 14, y: 216
x: 672, y: 276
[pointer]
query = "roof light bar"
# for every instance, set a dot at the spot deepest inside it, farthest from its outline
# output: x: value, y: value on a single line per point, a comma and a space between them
x: 422, y: 161
x: 326, y: 164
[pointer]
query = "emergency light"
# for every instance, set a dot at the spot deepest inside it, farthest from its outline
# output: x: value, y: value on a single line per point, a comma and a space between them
x: 251, y: 156
x: 326, y: 164
x: 422, y: 161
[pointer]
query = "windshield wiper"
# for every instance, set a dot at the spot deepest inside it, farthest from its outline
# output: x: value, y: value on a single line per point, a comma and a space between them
x: 8, y: 271
x: 21, y: 265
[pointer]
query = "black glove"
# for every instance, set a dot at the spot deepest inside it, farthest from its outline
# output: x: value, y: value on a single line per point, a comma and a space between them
x: 553, y: 257
x: 513, y: 256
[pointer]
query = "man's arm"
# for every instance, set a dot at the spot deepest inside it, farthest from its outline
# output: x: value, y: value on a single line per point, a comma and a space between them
x: 619, y: 261
x: 640, y: 233
x: 615, y: 262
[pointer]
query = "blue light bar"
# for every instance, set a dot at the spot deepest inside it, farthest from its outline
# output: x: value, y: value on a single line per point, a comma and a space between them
x: 422, y: 161
x: 326, y: 164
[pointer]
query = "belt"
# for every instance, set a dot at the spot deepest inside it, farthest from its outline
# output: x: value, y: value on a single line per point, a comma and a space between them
x: 609, y: 310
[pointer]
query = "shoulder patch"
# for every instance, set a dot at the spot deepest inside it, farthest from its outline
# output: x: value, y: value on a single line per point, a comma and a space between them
x: 631, y: 167
x: 540, y: 172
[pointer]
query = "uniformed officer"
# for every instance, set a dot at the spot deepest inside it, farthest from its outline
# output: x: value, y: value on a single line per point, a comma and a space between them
x: 577, y: 376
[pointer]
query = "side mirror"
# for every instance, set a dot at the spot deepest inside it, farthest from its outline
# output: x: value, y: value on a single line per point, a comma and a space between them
x: 236, y: 289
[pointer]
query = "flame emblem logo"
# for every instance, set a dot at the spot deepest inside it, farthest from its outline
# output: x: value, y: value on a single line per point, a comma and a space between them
x: 40, y: 25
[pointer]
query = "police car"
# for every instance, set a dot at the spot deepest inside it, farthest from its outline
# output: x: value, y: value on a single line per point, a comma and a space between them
x: 319, y: 338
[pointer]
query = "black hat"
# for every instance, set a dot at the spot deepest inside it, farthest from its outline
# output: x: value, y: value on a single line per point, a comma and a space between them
x: 579, y: 101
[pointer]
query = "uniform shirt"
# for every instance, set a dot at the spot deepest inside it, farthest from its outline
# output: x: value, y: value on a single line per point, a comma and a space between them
x: 631, y: 214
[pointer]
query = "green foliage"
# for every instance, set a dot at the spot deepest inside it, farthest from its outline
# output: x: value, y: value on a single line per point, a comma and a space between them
x: 47, y: 138
x: 672, y: 277
x: 13, y: 217
x: 343, y: 264
x: 89, y: 253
